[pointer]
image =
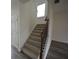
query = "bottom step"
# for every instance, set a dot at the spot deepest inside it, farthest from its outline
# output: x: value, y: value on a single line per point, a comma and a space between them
x: 30, y: 53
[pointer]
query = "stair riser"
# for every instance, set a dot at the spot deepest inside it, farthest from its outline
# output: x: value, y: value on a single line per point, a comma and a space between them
x: 35, y: 43
x: 34, y: 37
x: 33, y: 48
x: 30, y: 54
x: 38, y: 40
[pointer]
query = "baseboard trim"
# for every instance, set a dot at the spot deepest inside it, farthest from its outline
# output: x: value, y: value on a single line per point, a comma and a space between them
x: 61, y: 41
x: 18, y: 49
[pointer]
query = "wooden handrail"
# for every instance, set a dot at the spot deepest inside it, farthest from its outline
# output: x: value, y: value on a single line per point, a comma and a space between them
x: 43, y: 37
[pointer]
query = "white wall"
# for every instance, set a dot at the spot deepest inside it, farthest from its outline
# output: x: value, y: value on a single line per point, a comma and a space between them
x: 61, y: 27
x: 58, y: 23
x: 15, y: 17
x: 27, y: 21
x: 23, y: 21
x: 61, y: 21
x: 50, y: 29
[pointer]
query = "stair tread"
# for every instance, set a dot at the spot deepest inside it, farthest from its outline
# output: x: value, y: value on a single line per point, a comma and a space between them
x: 36, y: 33
x: 39, y: 29
x: 40, y: 25
x: 35, y: 38
x: 30, y: 53
x: 35, y: 43
x: 33, y: 48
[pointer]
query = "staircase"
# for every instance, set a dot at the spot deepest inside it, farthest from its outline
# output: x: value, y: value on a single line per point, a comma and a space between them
x: 32, y: 46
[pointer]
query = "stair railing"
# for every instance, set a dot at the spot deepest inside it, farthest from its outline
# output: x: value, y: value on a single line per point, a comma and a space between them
x: 43, y: 38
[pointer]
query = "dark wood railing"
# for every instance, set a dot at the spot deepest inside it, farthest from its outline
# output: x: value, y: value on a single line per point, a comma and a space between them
x: 43, y: 38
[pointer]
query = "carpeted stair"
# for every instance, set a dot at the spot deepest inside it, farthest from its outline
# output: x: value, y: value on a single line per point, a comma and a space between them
x: 33, y: 44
